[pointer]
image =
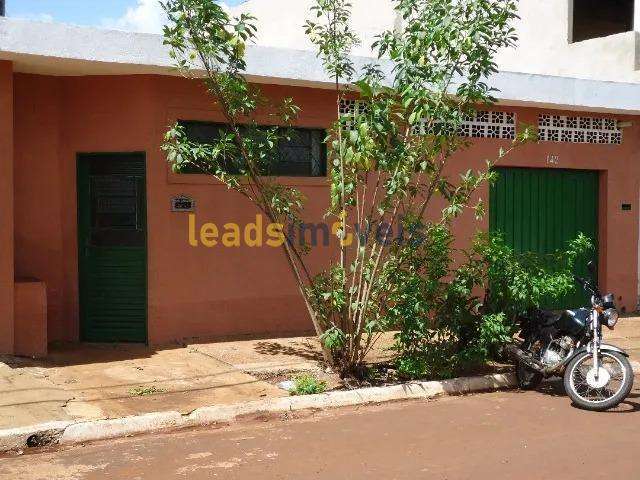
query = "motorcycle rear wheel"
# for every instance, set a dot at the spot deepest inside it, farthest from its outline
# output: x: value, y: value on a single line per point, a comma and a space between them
x: 528, y: 379
x: 582, y: 388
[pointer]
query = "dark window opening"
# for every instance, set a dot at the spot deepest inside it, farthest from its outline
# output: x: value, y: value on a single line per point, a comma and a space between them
x: 599, y: 18
x: 117, y: 204
x: 304, y: 154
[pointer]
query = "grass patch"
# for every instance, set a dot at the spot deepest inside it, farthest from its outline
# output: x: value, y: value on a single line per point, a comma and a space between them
x: 308, y: 385
x: 143, y: 391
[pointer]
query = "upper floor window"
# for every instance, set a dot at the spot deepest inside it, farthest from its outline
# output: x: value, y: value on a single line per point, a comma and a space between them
x: 599, y: 18
x: 304, y: 154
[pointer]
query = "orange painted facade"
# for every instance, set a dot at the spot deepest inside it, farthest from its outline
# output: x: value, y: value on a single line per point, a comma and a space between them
x: 212, y: 292
x: 6, y: 216
x: 30, y: 329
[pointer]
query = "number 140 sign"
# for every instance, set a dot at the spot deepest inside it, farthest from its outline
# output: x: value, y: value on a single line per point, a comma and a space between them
x: 553, y: 159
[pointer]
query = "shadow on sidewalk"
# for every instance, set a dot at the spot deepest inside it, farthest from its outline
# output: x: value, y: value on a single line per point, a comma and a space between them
x: 70, y: 354
x: 300, y: 350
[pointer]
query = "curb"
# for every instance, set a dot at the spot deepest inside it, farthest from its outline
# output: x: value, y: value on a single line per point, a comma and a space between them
x: 69, y: 433
x: 32, y: 436
x: 120, y: 427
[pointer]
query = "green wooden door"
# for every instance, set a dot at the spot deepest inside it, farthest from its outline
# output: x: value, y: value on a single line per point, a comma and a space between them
x: 112, y: 247
x: 539, y: 210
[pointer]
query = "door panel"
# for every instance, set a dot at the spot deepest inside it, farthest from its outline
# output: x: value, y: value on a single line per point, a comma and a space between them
x: 112, y: 247
x: 540, y: 210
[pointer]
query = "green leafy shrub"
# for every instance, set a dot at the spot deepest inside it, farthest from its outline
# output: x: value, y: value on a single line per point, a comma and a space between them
x: 308, y: 385
x: 445, y: 327
x: 515, y: 283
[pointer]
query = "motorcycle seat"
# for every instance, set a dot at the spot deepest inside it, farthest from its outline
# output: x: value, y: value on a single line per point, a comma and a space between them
x: 548, y: 317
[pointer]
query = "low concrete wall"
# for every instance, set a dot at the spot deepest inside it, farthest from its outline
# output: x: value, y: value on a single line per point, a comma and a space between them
x: 30, y: 328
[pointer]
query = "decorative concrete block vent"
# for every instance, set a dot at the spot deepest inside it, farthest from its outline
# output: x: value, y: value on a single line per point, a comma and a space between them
x: 483, y: 124
x: 562, y: 128
x: 351, y: 109
x: 489, y: 124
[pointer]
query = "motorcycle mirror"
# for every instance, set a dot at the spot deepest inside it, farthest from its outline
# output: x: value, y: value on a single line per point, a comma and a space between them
x: 591, y: 266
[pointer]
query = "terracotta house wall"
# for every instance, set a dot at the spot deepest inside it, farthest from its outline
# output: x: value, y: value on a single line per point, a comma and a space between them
x: 239, y: 290
x: 31, y: 318
x: 39, y: 192
x: 6, y: 212
x: 199, y: 291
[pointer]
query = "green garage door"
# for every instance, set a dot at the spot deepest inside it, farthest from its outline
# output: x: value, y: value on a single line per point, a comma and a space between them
x: 539, y: 210
x: 112, y: 247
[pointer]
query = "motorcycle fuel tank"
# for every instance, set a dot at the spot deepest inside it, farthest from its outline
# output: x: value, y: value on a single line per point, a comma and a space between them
x: 573, y: 321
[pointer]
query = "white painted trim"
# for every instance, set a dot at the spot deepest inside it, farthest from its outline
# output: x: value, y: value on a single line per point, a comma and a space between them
x: 58, y: 49
x: 564, y: 93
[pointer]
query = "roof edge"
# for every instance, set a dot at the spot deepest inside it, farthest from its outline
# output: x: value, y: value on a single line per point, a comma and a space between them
x: 61, y: 49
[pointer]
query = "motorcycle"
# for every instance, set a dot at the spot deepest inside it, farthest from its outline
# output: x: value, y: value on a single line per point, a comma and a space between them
x: 569, y: 344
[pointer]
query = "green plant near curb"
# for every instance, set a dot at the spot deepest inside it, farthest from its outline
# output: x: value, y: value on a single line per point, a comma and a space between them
x: 144, y: 391
x: 308, y: 385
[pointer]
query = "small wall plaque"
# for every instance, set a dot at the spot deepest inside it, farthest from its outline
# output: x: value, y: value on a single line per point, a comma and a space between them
x: 626, y: 206
x: 183, y: 203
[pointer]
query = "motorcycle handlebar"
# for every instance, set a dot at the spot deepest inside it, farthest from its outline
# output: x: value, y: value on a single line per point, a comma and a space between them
x: 586, y: 285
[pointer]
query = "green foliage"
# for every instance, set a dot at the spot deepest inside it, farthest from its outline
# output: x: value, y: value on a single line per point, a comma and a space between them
x: 389, y: 160
x: 456, y: 329
x: 307, y: 384
x: 200, y: 30
x: 439, y: 354
x: 389, y: 163
x: 203, y: 37
x: 331, y: 33
x: 209, y: 45
x: 447, y: 46
x: 145, y: 391
x: 517, y: 283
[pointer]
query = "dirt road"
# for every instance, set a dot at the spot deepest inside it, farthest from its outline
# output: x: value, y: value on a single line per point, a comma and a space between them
x: 506, y: 435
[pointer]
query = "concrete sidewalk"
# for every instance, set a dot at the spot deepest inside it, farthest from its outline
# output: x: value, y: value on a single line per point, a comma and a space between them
x: 267, y: 357
x: 82, y: 382
x: 88, y: 382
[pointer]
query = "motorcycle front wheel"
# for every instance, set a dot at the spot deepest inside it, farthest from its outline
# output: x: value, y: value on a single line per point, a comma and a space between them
x: 603, y: 391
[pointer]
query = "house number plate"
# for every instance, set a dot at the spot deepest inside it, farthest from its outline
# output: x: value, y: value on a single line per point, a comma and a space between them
x: 183, y: 203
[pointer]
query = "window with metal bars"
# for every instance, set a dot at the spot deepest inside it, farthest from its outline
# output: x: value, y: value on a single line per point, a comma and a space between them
x: 304, y: 154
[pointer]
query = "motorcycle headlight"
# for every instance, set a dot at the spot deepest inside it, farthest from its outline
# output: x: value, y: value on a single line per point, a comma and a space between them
x: 611, y: 316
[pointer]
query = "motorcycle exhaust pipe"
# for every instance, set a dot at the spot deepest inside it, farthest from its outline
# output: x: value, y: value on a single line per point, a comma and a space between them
x: 525, y: 358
